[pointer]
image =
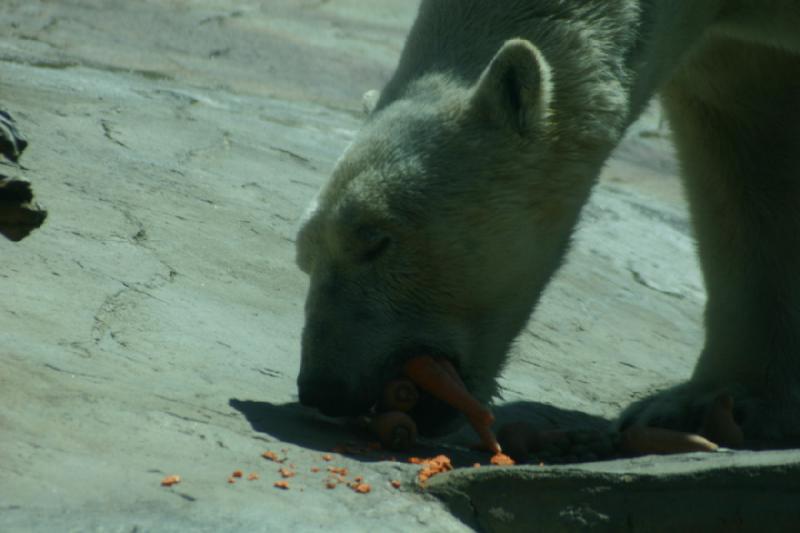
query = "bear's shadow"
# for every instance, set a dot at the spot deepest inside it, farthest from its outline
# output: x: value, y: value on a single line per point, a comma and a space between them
x: 298, y: 425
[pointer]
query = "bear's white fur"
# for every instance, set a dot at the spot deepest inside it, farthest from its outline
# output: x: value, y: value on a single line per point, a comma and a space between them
x: 454, y: 206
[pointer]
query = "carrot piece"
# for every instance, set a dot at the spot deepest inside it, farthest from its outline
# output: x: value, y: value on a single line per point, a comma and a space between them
x: 327, y: 457
x: 501, y: 459
x: 272, y: 456
x: 638, y: 440
x: 395, y: 429
x: 168, y: 481
x: 362, y: 488
x: 281, y: 485
x: 237, y: 473
x: 399, y: 395
x: 395, y: 483
x: 286, y: 472
x: 434, y: 378
x: 252, y: 476
x: 448, y: 367
x: 431, y: 467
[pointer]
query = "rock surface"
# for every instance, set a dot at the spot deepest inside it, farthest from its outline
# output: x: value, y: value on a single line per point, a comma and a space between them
x: 151, y: 326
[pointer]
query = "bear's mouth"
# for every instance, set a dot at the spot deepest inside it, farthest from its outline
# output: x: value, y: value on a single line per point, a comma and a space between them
x: 434, y: 417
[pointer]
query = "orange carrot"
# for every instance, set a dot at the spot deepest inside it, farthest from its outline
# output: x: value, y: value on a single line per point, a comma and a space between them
x: 362, y: 488
x: 272, y: 456
x: 501, y: 459
x: 170, y: 480
x: 431, y: 467
x: 395, y: 430
x: 437, y: 380
x: 646, y: 440
x: 399, y: 395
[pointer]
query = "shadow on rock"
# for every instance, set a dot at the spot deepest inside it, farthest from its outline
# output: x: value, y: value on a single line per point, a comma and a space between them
x: 291, y: 422
x: 295, y: 424
x: 546, y: 416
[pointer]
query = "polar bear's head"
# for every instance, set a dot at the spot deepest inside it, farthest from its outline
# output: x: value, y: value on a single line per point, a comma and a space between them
x: 436, y: 233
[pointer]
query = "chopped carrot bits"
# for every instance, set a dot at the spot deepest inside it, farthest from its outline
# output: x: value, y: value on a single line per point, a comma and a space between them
x: 440, y: 379
x: 272, y: 456
x: 340, y: 470
x: 281, y: 485
x: 501, y: 459
x: 431, y: 467
x: 168, y: 481
x: 362, y: 488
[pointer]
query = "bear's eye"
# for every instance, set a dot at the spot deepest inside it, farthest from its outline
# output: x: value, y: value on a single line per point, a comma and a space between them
x: 376, y: 248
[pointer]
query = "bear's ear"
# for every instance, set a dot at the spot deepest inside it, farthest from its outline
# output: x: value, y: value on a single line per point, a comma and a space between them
x: 515, y: 89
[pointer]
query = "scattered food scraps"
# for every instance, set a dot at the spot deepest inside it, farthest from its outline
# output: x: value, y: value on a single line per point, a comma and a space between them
x: 395, y: 483
x: 284, y: 485
x: 237, y: 473
x: 331, y: 484
x: 362, y: 488
x: 252, y: 476
x: 327, y: 457
x: 431, y: 467
x: 649, y: 440
x: 501, y: 459
x: 168, y: 481
x: 340, y: 470
x: 231, y: 480
x: 272, y: 456
x: 315, y: 469
x: 285, y: 472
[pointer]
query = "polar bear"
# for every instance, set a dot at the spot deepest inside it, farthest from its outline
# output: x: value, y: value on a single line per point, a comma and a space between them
x: 453, y: 207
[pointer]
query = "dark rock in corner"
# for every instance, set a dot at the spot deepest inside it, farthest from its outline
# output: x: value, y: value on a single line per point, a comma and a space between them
x: 19, y: 214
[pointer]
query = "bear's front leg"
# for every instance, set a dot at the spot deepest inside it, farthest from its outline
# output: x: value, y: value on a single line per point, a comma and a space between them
x: 735, y: 114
